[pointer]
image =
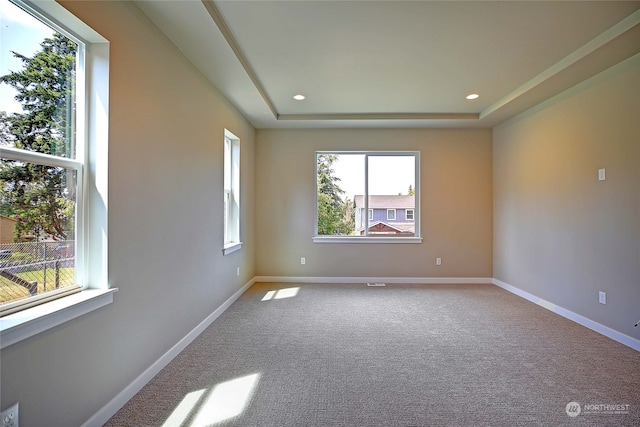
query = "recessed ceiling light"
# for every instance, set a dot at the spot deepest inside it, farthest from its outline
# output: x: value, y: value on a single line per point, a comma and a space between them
x: 473, y: 96
x: 299, y: 97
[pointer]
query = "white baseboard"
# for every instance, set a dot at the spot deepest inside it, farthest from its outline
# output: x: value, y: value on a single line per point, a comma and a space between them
x: 110, y: 409
x: 568, y: 314
x: 419, y: 280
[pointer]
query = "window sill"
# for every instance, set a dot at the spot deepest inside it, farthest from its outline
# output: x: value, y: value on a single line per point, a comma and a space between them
x: 231, y: 247
x: 27, y: 323
x: 356, y: 239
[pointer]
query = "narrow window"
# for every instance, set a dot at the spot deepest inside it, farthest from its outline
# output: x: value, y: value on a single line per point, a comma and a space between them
x: 231, y: 193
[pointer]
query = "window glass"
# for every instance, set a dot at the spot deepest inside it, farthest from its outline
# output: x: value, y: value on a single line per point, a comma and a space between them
x: 352, y: 183
x: 340, y: 177
x: 40, y: 176
x: 231, y: 192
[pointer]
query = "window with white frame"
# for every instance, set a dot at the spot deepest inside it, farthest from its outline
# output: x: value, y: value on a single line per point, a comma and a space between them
x: 53, y: 162
x: 350, y: 183
x: 409, y: 215
x: 231, y: 193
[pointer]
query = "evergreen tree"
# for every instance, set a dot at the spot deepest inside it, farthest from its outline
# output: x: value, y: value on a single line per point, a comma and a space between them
x: 335, y: 216
x: 35, y: 194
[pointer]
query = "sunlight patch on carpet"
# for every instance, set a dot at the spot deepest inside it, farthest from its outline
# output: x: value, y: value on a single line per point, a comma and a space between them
x: 182, y: 411
x: 227, y: 400
x: 280, y: 294
x: 224, y: 401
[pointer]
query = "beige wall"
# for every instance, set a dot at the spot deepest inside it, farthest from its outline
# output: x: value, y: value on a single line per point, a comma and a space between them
x: 165, y: 146
x: 456, y: 205
x: 560, y: 234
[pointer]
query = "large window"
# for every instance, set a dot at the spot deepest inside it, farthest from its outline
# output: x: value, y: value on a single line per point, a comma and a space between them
x: 41, y: 167
x: 53, y: 163
x: 231, y: 193
x: 367, y: 197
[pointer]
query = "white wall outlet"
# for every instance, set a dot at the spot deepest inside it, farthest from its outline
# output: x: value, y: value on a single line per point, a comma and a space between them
x: 9, y: 417
x: 438, y: 261
x: 602, y: 174
x: 303, y: 261
x: 237, y: 271
x: 602, y: 297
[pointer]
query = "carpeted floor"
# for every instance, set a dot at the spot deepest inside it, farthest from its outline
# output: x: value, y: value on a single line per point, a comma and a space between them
x: 400, y: 355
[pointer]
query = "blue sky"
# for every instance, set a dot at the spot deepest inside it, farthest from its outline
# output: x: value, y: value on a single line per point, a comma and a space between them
x: 22, y: 33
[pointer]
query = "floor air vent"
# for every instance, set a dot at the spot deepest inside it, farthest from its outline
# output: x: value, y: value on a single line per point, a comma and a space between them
x: 376, y: 284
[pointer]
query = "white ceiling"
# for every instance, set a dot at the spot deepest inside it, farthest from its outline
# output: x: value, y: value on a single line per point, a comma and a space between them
x: 396, y: 63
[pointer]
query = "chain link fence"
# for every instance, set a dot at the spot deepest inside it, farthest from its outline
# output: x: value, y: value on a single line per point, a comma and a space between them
x: 32, y: 268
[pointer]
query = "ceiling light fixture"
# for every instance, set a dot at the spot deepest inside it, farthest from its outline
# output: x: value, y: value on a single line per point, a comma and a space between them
x: 299, y: 97
x: 473, y: 96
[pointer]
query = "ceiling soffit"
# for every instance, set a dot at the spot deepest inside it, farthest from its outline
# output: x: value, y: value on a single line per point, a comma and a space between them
x: 265, y: 66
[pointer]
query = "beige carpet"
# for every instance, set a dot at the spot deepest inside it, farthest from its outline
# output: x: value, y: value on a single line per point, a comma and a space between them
x: 400, y: 355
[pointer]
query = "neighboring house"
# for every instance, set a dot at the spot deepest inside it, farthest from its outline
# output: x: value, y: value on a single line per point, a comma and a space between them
x: 388, y: 215
x: 7, y: 227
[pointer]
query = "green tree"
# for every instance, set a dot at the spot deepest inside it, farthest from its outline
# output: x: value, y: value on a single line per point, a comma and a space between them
x: 37, y: 195
x: 335, y: 215
x: 412, y: 191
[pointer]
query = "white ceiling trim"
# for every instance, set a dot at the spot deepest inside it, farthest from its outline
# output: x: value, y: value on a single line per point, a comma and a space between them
x: 220, y: 22
x: 208, y: 39
x: 622, y: 27
x: 381, y: 116
x: 520, y: 94
x: 237, y: 50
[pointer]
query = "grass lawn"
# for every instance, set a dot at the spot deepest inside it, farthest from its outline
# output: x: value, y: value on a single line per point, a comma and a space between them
x: 10, y: 291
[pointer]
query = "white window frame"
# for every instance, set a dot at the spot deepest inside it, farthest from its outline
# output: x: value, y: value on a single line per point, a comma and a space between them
x: 406, y: 214
x: 91, y: 162
x: 389, y: 216
x: 231, y: 188
x: 366, y: 238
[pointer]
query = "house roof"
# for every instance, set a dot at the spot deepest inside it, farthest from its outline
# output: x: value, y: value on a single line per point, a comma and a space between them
x: 387, y: 202
x: 400, y: 227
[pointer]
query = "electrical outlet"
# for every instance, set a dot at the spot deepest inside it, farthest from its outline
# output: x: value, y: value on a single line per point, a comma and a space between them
x: 602, y: 297
x: 303, y: 261
x: 9, y: 417
x: 238, y: 271
x: 438, y: 261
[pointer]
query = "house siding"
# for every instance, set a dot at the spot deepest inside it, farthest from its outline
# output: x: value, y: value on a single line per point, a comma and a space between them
x: 7, y: 228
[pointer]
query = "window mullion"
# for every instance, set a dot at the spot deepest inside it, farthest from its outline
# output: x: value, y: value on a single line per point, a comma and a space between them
x: 416, y: 196
x: 366, y: 193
